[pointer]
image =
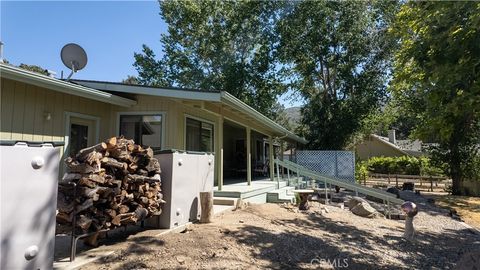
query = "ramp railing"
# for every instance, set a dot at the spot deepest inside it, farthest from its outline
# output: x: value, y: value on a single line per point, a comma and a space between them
x: 305, y: 172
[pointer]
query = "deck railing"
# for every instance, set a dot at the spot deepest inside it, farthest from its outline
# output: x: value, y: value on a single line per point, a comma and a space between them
x: 305, y: 172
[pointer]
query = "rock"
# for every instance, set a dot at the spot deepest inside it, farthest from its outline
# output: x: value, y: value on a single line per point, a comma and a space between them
x: 241, y: 221
x: 394, y: 190
x: 408, y: 186
x: 180, y: 259
x: 353, y: 201
x: 364, y: 209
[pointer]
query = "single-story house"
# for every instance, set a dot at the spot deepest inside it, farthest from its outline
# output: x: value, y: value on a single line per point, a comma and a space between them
x: 80, y: 113
x: 376, y: 146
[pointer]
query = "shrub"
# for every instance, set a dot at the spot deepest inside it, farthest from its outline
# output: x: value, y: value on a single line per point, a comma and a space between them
x: 361, y: 171
x: 402, y: 165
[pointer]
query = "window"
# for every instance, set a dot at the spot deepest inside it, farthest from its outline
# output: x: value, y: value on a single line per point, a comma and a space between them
x: 143, y: 129
x: 78, y: 138
x: 199, y: 136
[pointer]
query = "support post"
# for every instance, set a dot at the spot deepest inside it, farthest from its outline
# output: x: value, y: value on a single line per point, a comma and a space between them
x: 281, y: 158
x: 278, y: 176
x: 206, y: 204
x: 249, y: 157
x: 219, y: 153
x: 326, y: 193
x: 270, y: 154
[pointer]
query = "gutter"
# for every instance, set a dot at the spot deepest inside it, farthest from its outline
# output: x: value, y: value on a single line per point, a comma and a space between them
x: 18, y: 74
x: 235, y: 102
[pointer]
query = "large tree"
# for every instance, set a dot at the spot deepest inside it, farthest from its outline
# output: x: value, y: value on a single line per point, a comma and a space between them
x: 336, y: 53
x: 437, y: 71
x: 223, y: 45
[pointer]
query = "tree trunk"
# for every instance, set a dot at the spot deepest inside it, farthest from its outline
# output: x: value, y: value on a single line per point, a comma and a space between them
x: 206, y: 202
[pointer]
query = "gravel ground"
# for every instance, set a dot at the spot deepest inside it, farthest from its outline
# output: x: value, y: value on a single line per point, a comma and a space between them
x: 281, y: 237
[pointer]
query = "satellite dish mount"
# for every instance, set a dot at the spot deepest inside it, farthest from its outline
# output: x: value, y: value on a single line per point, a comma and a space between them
x: 74, y: 57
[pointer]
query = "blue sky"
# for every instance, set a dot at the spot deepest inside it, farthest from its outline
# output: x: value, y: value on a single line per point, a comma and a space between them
x: 34, y: 32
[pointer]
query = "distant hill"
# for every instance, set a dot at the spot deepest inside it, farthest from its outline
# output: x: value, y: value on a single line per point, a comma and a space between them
x: 294, y: 115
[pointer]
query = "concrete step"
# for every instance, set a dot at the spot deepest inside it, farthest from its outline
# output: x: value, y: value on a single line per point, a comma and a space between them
x: 229, y: 201
x: 284, y: 194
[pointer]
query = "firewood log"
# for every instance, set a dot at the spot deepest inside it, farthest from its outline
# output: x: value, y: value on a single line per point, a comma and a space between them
x: 83, y: 222
x: 65, y: 218
x: 111, y: 162
x: 141, y: 213
x: 134, y: 178
x: 122, y: 209
x: 84, y: 206
x: 94, y: 178
x: 63, y: 204
x: 123, y: 219
x: 77, y: 167
x: 68, y: 177
x: 82, y: 154
x: 111, y: 143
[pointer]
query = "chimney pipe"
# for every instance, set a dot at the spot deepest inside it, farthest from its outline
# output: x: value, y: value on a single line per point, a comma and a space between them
x: 391, y: 136
x: 1, y: 52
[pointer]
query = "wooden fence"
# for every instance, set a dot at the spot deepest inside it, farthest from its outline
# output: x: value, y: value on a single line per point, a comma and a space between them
x: 389, y: 179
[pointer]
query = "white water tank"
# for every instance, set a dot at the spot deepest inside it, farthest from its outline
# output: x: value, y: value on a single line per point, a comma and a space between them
x: 28, y: 185
x: 184, y: 175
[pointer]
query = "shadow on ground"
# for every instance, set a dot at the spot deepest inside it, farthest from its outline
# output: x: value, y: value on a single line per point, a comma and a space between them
x: 295, y: 247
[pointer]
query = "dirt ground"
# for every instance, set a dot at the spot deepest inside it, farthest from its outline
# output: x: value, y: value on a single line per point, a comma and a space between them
x: 468, y: 208
x: 279, y: 237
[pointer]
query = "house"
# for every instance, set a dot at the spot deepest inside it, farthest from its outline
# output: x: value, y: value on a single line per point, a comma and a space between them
x: 80, y: 113
x: 376, y: 146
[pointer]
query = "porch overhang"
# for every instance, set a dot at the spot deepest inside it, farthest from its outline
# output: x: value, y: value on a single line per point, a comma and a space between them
x: 193, y: 96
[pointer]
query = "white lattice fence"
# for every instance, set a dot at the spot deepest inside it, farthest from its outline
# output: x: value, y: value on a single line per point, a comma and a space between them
x: 339, y: 164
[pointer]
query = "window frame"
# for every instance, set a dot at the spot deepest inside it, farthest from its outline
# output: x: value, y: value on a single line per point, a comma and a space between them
x: 186, y: 116
x: 144, y: 113
x: 68, y: 116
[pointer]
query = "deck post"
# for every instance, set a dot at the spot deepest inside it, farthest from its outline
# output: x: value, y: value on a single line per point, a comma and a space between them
x: 219, y: 153
x: 249, y: 157
x: 326, y: 193
x: 270, y: 154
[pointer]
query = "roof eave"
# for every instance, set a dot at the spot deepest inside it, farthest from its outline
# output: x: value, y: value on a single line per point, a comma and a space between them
x: 152, y: 91
x: 14, y: 73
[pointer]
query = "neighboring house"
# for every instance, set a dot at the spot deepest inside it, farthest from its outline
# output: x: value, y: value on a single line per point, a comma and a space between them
x: 376, y: 146
x: 81, y: 113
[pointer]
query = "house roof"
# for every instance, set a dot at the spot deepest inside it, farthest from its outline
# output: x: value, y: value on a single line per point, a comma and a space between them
x: 408, y: 147
x: 192, y: 94
x: 18, y: 74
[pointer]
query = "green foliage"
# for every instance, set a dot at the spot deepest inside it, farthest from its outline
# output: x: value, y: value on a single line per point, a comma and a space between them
x: 361, y: 171
x: 131, y: 80
x: 222, y: 45
x: 402, y: 165
x: 336, y: 53
x: 436, y: 80
x: 34, y: 68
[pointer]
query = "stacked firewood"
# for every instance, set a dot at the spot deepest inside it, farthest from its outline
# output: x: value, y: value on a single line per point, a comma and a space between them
x: 117, y: 183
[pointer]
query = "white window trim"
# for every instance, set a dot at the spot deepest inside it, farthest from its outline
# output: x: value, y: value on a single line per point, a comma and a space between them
x: 185, y: 116
x: 68, y: 115
x: 147, y: 113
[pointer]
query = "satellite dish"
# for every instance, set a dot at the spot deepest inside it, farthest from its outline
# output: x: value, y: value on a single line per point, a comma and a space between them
x: 73, y: 57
